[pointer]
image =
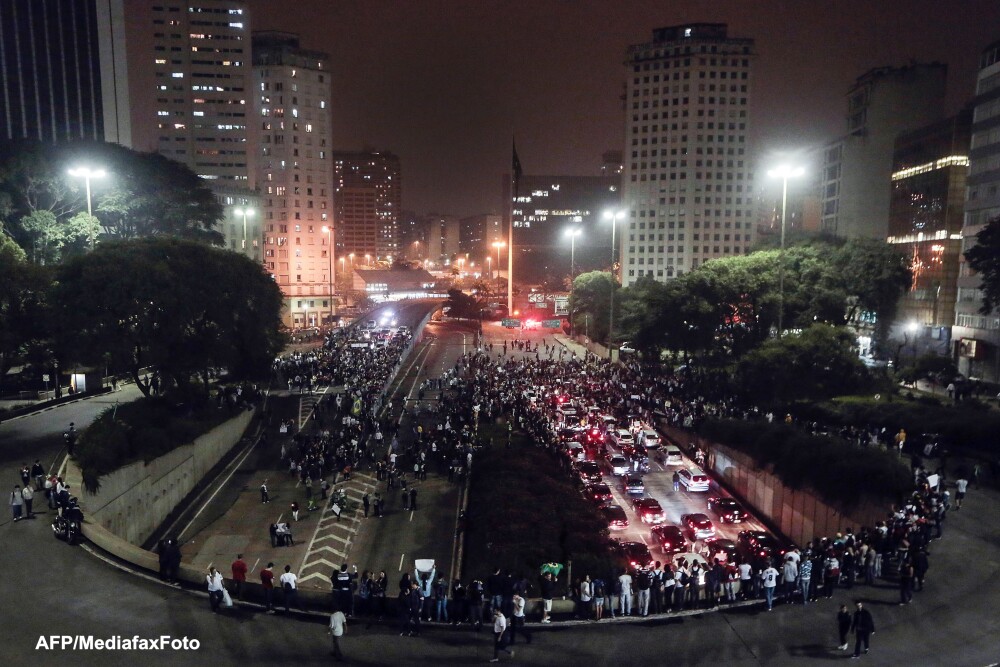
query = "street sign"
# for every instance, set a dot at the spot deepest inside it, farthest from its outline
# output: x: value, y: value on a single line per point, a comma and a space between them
x: 551, y: 324
x: 45, y: 377
x: 511, y: 324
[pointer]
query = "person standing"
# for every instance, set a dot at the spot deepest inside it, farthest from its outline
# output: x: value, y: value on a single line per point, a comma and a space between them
x: 267, y: 583
x: 413, y: 498
x: 789, y: 575
x: 906, y: 572
x: 337, y: 623
x: 548, y: 587
x: 38, y: 474
x: 16, y: 502
x: 805, y: 579
x: 366, y: 502
x: 214, y: 580
x: 625, y: 579
x: 239, y: 568
x: 843, y: 626
x: 961, y: 486
x: 295, y: 511
x: 586, y: 596
x: 769, y: 579
x: 643, y: 584
x: 264, y: 496
x: 28, y: 495
x: 289, y: 586
x: 517, y: 619
x: 499, y: 630
x: 864, y: 626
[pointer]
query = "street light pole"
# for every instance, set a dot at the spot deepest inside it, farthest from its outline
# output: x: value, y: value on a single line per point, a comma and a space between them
x: 329, y: 252
x: 784, y: 173
x: 86, y: 173
x: 245, y: 212
x: 614, y: 217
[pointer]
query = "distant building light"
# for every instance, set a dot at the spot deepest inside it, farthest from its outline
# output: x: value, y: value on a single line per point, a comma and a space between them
x: 950, y: 161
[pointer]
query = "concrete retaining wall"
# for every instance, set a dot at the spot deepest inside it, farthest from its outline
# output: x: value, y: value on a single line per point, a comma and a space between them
x: 134, y: 500
x: 800, y: 515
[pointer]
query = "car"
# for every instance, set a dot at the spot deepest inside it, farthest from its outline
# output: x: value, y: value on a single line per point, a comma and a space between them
x: 693, y: 479
x: 598, y: 492
x: 633, y: 485
x: 567, y: 413
x: 727, y: 509
x: 649, y: 438
x: 621, y: 437
x: 593, y: 436
x: 758, y: 544
x: 616, y: 517
x: 608, y: 424
x: 721, y: 548
x: 649, y: 510
x: 673, y: 456
x: 670, y: 539
x: 626, y: 348
x: 635, y: 554
x: 636, y: 452
x: 575, y: 451
x: 698, y: 526
x: 589, y: 472
x: 619, y: 465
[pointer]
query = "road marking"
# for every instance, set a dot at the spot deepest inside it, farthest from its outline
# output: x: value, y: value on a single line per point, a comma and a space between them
x: 256, y: 562
x: 401, y: 556
x: 411, y: 515
x: 232, y: 472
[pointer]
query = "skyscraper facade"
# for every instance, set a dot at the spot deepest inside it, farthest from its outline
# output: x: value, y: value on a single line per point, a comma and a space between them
x: 925, y: 219
x: 857, y: 168
x: 687, y: 182
x: 977, y: 336
x: 368, y: 201
x: 292, y: 90
x: 50, y: 70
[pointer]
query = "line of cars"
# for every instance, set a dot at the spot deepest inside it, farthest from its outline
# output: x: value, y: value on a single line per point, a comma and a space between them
x: 604, y: 455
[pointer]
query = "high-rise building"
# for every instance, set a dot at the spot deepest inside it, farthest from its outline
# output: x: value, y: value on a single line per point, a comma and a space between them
x: 50, y: 69
x: 978, y: 335
x: 368, y: 199
x: 687, y: 182
x: 857, y: 168
x: 546, y: 207
x: 444, y: 236
x: 292, y: 90
x: 925, y: 220
x: 477, y: 232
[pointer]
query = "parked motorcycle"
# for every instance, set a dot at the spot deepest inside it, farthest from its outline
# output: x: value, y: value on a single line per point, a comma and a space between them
x: 67, y: 526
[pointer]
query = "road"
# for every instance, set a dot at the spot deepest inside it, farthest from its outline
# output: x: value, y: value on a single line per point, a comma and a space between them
x: 52, y: 588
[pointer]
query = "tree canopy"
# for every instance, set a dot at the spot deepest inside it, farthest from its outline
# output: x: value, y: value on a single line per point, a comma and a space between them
x: 142, y: 195
x: 590, y: 303
x: 178, y: 305
x: 731, y: 305
x: 984, y: 259
x: 22, y: 295
x: 462, y: 305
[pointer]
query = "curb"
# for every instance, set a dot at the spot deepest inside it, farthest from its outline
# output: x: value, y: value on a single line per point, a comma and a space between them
x: 39, y: 411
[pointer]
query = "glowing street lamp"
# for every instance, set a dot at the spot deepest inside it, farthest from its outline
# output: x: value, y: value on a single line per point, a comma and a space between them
x: 246, y: 213
x: 498, y: 245
x: 614, y: 216
x: 572, y: 234
x: 86, y: 173
x: 783, y: 172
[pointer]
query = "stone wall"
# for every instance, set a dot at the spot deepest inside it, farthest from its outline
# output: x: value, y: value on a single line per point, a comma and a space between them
x: 799, y: 514
x: 135, y: 499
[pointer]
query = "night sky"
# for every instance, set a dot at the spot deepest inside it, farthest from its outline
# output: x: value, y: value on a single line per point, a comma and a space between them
x: 444, y: 83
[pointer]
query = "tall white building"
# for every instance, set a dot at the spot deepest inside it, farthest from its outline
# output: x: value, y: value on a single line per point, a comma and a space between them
x: 687, y: 183
x: 977, y: 335
x: 292, y: 89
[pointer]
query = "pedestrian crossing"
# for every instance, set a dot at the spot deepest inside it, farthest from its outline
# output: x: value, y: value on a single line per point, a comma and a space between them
x: 308, y: 403
x: 333, y: 536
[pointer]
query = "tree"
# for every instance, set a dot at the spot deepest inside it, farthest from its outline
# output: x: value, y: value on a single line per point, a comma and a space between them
x: 818, y: 363
x: 876, y: 275
x: 178, y: 305
x: 984, y: 259
x: 462, y: 305
x: 22, y: 287
x: 590, y: 303
x: 143, y: 194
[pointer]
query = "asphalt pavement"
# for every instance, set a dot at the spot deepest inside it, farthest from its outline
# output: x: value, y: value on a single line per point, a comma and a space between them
x: 53, y: 589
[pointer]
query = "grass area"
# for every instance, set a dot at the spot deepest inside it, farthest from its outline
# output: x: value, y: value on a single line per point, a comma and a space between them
x: 142, y: 430
x: 524, y: 510
x: 971, y: 424
x: 842, y: 473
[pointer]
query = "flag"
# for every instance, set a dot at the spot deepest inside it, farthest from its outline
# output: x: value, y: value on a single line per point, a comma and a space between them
x: 515, y: 166
x: 554, y: 568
